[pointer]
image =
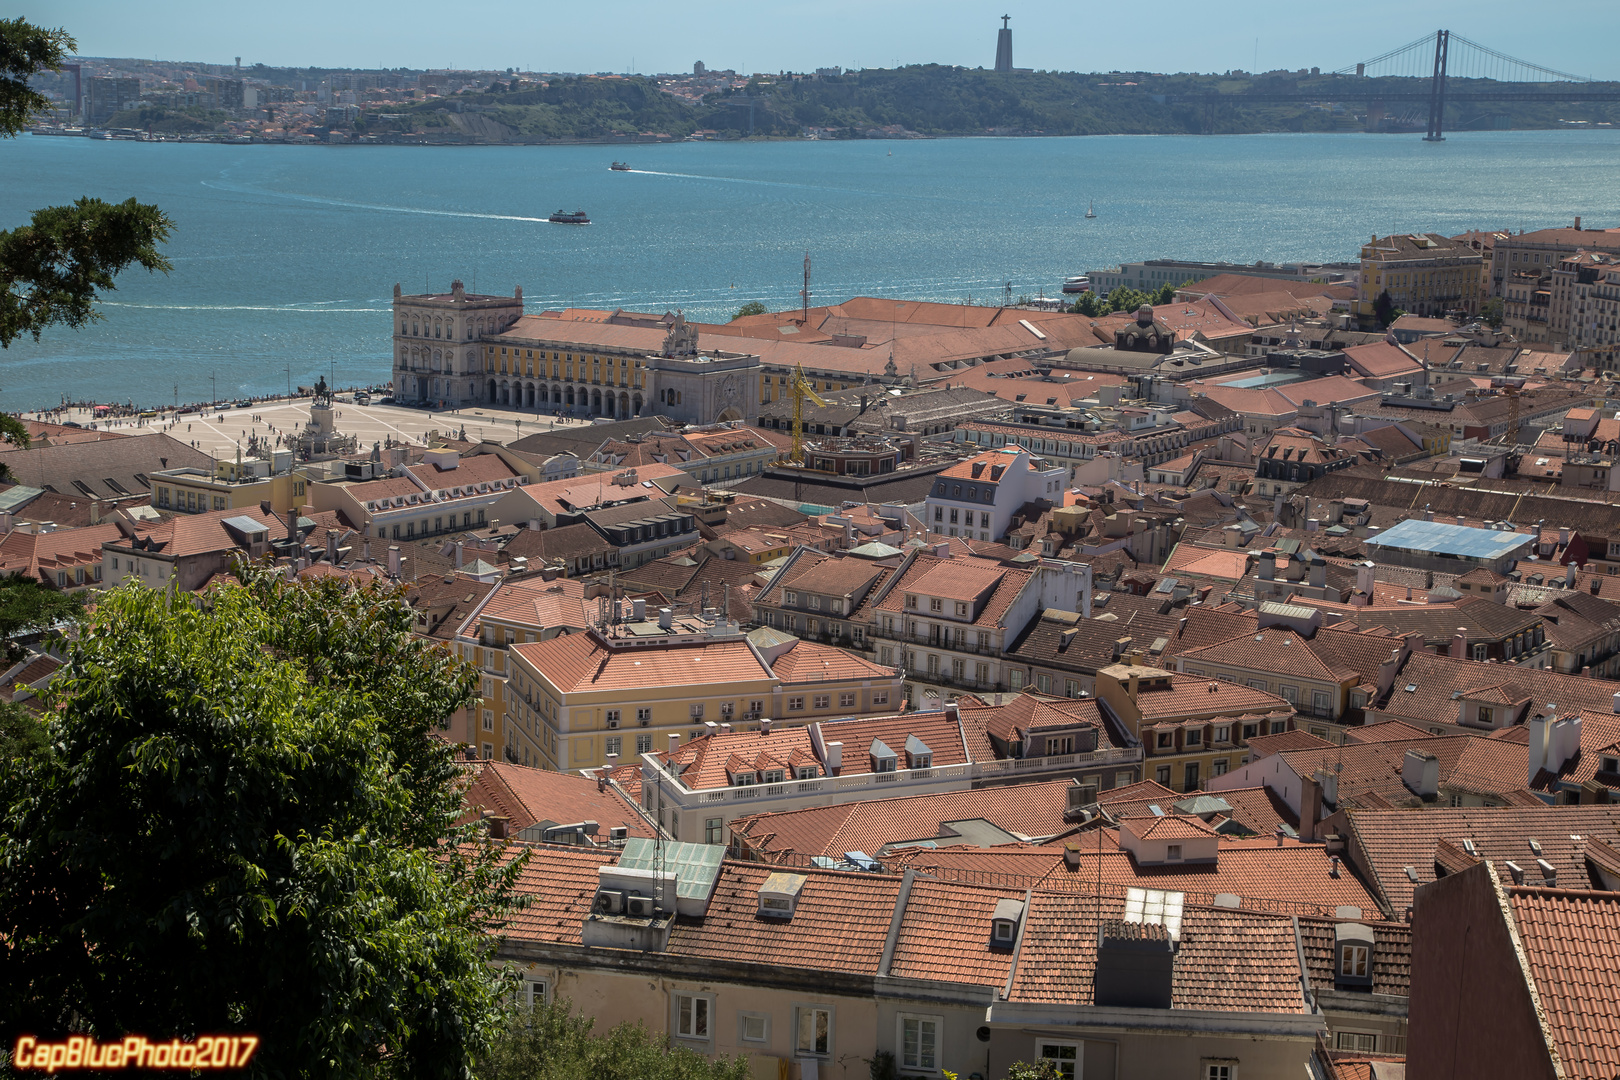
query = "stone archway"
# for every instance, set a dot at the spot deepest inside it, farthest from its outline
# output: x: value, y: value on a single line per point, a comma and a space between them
x: 624, y: 405
x: 596, y: 403
x: 636, y: 403
x: 729, y: 414
x: 492, y: 391
x: 568, y: 397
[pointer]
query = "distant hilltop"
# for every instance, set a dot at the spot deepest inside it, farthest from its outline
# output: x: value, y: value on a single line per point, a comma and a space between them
x: 156, y: 99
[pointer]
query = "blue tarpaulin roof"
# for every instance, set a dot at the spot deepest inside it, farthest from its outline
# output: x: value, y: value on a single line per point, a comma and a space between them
x: 1443, y: 539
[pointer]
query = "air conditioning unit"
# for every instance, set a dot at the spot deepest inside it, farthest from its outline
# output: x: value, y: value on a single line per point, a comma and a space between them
x: 612, y: 724
x: 646, y: 722
x: 640, y: 907
x: 609, y: 902
x: 618, y: 832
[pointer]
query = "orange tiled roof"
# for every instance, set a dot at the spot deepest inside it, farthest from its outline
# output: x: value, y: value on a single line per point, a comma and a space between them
x: 1227, y: 960
x: 1388, y: 841
x: 1025, y: 810
x: 1570, y: 942
x: 526, y: 796
x: 809, y: 662
x: 578, y: 662
x: 945, y: 934
x: 840, y: 921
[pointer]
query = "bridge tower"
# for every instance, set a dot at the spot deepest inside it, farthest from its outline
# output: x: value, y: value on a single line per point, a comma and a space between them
x: 1437, y: 88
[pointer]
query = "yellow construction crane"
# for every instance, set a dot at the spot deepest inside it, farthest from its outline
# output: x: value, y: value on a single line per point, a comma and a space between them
x: 800, y: 388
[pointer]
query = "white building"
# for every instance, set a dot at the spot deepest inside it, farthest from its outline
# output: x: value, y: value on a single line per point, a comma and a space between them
x: 977, y: 498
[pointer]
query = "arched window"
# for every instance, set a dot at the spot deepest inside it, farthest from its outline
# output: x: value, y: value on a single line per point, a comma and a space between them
x: 403, y: 326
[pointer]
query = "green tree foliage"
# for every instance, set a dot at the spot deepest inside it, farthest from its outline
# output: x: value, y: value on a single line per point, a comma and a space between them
x: 28, y: 606
x: 22, y: 735
x: 244, y: 825
x: 753, y: 307
x: 52, y: 269
x: 1088, y: 304
x: 1492, y: 312
x: 552, y: 1043
x: 1384, y: 309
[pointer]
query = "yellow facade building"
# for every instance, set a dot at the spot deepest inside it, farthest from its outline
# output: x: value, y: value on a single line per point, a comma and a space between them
x: 233, y: 485
x: 584, y: 700
x: 1190, y: 728
x: 1424, y: 273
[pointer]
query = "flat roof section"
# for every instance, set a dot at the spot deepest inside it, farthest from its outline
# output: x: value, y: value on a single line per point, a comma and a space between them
x: 1440, y: 538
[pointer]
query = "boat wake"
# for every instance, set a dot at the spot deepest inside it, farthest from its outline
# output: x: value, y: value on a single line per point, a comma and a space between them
x: 379, y: 207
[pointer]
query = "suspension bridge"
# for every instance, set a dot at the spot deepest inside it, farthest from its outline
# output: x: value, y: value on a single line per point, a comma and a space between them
x: 1427, y: 67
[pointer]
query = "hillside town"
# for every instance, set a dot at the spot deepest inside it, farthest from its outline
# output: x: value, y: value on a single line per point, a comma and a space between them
x: 1205, y: 689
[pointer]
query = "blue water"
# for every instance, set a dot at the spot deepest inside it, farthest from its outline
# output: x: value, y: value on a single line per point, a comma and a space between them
x: 285, y: 257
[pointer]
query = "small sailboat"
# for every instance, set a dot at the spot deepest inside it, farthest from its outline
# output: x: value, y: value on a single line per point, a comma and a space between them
x: 1091, y: 209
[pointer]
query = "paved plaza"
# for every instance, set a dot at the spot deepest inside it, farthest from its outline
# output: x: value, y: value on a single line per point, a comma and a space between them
x: 220, y: 433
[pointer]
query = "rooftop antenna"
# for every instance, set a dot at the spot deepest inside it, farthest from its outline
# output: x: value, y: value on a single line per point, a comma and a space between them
x: 804, y: 295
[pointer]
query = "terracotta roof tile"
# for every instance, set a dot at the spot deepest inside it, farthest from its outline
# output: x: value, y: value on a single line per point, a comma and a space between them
x: 840, y: 921
x: 945, y: 934
x: 810, y: 662
x: 1024, y: 810
x: 1388, y: 841
x: 1570, y: 942
x: 578, y: 662
x: 1226, y: 960
x: 526, y: 796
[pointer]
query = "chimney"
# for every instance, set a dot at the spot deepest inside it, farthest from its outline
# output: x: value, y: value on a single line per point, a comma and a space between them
x: 331, y: 546
x: 674, y: 742
x: 458, y: 554
x: 1540, y: 740
x: 1364, y: 578
x: 1268, y: 565
x: 666, y: 619
x: 496, y: 824
x: 638, y: 610
x: 835, y: 757
x: 1071, y: 855
x: 1565, y: 742
x: 1122, y: 646
x: 393, y: 560
x: 1312, y: 524
x: 1461, y: 520
x: 1280, y: 835
x: 1569, y: 576
x: 1577, y: 223
x: 1330, y: 787
x: 1310, y: 807
x: 725, y: 728
x: 1563, y: 536
x: 1459, y: 644
x: 1318, y: 572
x: 601, y: 780
x: 764, y: 725
x: 1420, y: 772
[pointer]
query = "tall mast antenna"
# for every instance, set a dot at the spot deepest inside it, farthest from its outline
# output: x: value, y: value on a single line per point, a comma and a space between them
x: 804, y: 295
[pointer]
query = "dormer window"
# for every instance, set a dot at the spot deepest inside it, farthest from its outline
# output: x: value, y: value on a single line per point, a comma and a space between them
x: 1172, y: 853
x: 883, y: 758
x: 911, y: 602
x: 743, y: 779
x: 961, y: 610
x: 1610, y: 765
x: 807, y: 772
x: 1004, y: 923
x: 936, y: 604
x: 773, y: 776
x: 918, y: 755
x: 790, y: 598
x: 779, y: 895
x: 1353, y: 944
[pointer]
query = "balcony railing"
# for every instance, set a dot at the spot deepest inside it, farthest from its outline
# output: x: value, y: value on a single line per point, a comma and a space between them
x: 983, y: 648
x: 963, y: 774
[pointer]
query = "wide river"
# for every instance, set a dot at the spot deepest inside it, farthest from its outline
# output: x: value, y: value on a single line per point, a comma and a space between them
x: 285, y: 258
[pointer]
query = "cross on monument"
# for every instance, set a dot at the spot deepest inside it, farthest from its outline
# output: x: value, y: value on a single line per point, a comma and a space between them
x: 1004, y: 19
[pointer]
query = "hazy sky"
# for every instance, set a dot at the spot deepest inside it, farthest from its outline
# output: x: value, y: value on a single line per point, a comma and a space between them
x: 796, y: 35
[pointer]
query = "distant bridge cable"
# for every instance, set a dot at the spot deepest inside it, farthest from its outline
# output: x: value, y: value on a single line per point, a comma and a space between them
x: 1513, y: 61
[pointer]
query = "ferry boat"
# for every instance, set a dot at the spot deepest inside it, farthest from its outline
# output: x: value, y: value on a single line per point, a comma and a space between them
x: 620, y: 166
x: 1077, y: 284
x: 563, y: 217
